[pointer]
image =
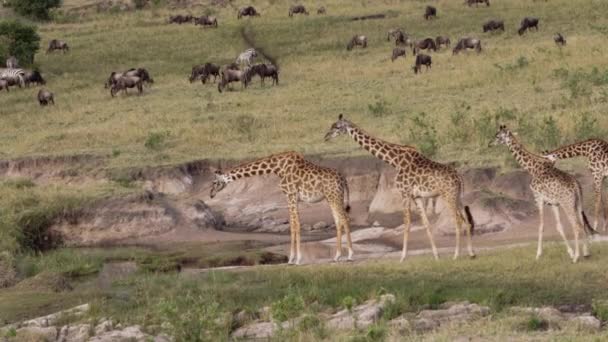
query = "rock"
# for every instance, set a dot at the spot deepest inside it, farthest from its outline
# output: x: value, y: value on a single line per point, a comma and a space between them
x: 361, y: 316
x: 36, y: 334
x: 425, y: 324
x: 260, y: 330
x: 587, y: 322
x: 127, y: 334
x: 204, y: 217
x: 306, y: 227
x: 320, y: 225
x: 103, y: 326
x: 51, y: 319
x: 76, y: 333
x: 401, y: 324
x: 459, y: 312
x: 46, y: 282
x: 376, y: 224
x: 550, y: 314
x: 240, y: 318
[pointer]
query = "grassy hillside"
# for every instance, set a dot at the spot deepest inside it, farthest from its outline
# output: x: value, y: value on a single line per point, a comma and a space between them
x: 551, y: 95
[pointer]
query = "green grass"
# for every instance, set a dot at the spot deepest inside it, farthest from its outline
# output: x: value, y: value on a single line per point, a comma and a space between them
x: 537, y: 85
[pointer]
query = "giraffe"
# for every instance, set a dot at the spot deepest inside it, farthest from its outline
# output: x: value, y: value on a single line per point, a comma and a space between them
x: 300, y: 180
x: 418, y: 179
x: 553, y: 187
x: 596, y: 151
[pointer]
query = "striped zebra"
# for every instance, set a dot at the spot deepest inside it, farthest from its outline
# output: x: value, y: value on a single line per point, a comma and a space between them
x: 246, y: 57
x: 12, y: 62
x: 13, y: 76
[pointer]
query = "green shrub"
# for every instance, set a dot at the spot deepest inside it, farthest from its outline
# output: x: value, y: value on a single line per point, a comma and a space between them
x: 37, y: 9
x: 155, y: 140
x: 423, y: 134
x: 19, y: 40
x: 600, y: 309
x: 287, y: 308
x: 586, y: 126
x: 379, y: 109
x: 535, y: 323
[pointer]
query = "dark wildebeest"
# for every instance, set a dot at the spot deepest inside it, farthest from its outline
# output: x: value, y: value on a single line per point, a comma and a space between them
x: 248, y: 11
x: 442, y: 40
x: 467, y: 43
x: 477, y: 2
x: 297, y: 9
x: 142, y: 73
x: 12, y: 62
x: 421, y: 60
x: 203, y: 72
x: 559, y: 39
x: 527, y: 23
x: 125, y: 82
x: 425, y: 44
x: 321, y: 10
x: 180, y: 19
x: 206, y: 20
x: 230, y: 75
x: 4, y: 84
x: 493, y: 25
x: 394, y: 33
x: 404, y: 40
x: 357, y: 40
x: 45, y: 97
x: 430, y: 12
x: 397, y: 52
x: 266, y: 70
x: 33, y: 77
x: 58, y: 45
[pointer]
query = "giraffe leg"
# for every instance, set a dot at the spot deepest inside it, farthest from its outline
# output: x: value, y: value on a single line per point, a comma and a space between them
x: 346, y: 223
x: 292, y: 231
x: 295, y: 255
x: 541, y: 226
x: 577, y: 227
x: 458, y: 220
x: 427, y: 225
x: 407, y: 222
x: 469, y: 239
x: 338, y: 222
x: 560, y: 229
x: 597, y: 189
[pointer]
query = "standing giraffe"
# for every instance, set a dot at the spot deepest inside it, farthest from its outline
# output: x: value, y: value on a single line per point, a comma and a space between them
x: 550, y: 186
x: 596, y: 151
x: 418, y: 179
x: 303, y: 181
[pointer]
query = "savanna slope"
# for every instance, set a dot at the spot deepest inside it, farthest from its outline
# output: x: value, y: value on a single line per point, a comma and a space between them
x: 550, y: 95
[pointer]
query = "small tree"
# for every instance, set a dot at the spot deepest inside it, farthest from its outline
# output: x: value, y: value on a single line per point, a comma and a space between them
x: 18, y: 40
x: 38, y: 9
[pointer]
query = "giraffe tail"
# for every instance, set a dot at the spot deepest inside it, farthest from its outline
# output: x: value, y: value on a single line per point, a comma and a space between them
x: 467, y: 212
x: 346, y: 195
x: 588, y: 229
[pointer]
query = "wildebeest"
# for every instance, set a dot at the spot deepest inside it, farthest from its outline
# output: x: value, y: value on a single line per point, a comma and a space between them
x: 247, y: 11
x: 229, y: 76
x: 297, y: 9
x: 125, y: 82
x: 203, y: 72
x: 33, y: 77
x: 206, y: 20
x: 477, y: 2
x: 404, y: 40
x: 142, y: 73
x: 527, y: 23
x: 45, y: 97
x: 321, y: 10
x: 394, y: 33
x: 442, y: 40
x: 58, y: 45
x: 493, y: 25
x: 421, y: 60
x: 180, y: 19
x: 559, y: 39
x: 425, y: 44
x: 397, y: 52
x: 12, y: 62
x: 266, y: 70
x: 358, y: 40
x: 467, y: 43
x: 4, y: 84
x: 430, y: 12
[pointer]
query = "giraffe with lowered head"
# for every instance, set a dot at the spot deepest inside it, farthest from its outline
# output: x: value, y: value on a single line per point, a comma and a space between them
x: 418, y: 178
x: 596, y: 151
x: 553, y: 187
x: 300, y: 180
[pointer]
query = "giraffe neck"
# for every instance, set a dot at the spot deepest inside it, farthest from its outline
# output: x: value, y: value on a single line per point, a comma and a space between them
x: 272, y: 164
x: 388, y: 152
x: 528, y: 160
x: 583, y: 148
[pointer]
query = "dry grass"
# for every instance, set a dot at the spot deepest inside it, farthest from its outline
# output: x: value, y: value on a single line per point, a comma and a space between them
x: 319, y: 79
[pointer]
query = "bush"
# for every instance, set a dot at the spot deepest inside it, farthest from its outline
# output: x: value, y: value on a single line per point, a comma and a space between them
x: 600, y: 309
x: 18, y: 40
x: 287, y: 308
x: 37, y: 9
x: 424, y: 135
x: 155, y: 140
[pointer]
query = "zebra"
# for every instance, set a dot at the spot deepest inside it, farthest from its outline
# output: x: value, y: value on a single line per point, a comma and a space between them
x: 12, y: 62
x: 13, y: 76
x: 247, y: 57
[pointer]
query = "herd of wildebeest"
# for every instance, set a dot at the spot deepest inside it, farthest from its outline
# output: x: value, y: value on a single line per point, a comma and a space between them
x: 243, y: 70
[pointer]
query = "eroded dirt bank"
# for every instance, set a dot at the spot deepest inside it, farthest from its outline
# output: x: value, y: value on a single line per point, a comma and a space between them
x: 172, y: 204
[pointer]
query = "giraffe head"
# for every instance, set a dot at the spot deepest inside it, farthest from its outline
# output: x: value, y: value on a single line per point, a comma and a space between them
x: 503, y: 137
x: 339, y: 127
x: 550, y: 156
x: 219, y: 183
